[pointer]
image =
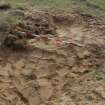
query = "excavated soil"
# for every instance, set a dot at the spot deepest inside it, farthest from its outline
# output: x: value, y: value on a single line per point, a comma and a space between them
x: 67, y: 70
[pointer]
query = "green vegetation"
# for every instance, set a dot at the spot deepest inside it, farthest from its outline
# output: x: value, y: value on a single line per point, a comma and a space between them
x: 100, y: 3
x: 95, y: 7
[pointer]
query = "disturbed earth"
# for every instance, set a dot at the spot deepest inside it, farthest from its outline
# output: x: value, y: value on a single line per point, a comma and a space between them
x: 64, y: 65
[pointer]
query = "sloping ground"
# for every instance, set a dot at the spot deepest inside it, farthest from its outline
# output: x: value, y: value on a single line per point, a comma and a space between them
x: 68, y: 70
x: 96, y: 7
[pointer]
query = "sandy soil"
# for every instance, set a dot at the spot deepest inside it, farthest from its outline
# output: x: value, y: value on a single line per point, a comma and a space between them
x: 68, y: 71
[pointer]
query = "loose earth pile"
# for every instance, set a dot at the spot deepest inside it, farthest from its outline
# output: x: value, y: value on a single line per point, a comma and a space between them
x: 63, y: 65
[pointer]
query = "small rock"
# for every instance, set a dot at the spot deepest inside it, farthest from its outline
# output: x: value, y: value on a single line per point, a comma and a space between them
x: 5, y: 6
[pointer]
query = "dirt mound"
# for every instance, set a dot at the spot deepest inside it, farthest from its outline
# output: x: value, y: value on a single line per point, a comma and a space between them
x: 68, y: 70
